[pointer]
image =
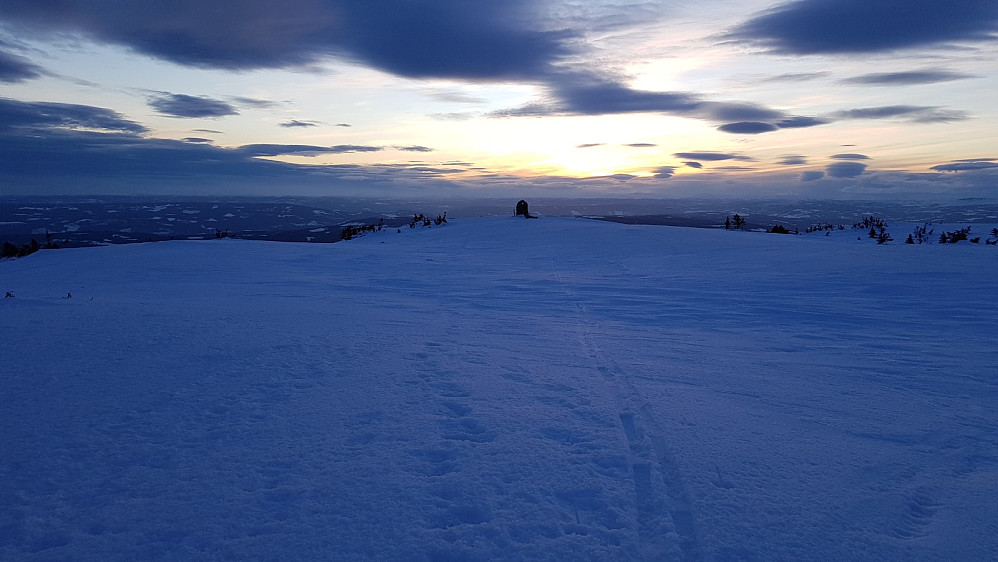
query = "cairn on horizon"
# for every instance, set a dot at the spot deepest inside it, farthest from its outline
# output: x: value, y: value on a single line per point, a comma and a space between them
x: 521, y: 209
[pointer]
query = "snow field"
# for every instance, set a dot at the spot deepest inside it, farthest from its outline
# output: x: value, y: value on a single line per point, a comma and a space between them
x: 502, y: 389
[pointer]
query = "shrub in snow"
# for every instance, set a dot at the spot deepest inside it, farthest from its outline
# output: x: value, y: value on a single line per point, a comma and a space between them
x: 870, y: 222
x: 351, y: 231
x: 954, y: 237
x: 10, y: 250
x: 820, y: 227
x: 920, y: 235
x: 883, y: 236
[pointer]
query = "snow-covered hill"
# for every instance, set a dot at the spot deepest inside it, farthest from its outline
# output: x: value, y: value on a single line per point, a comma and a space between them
x: 502, y: 389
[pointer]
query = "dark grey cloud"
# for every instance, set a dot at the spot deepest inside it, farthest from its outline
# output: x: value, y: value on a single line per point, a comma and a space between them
x: 792, y: 160
x: 747, y: 128
x: 907, y: 78
x: 737, y: 111
x: 914, y: 113
x: 181, y: 105
x: 588, y: 94
x: 692, y: 164
x: 344, y: 125
x: 710, y: 156
x: 966, y: 165
x: 453, y: 38
x: 430, y: 38
x: 583, y: 93
x: 42, y: 116
x: 861, y: 26
x: 845, y: 169
x: 812, y: 175
x: 70, y: 148
x: 296, y: 123
x: 14, y: 68
x: 849, y: 156
x: 641, y: 145
x: 664, y: 172
x: 196, y: 139
x: 511, y: 40
x: 589, y: 145
x: 79, y: 143
x: 413, y: 148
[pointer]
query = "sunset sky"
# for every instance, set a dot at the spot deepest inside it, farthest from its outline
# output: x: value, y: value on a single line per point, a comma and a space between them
x: 813, y: 98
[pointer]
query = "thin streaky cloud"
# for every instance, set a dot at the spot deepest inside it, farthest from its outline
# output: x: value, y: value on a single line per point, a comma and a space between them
x: 907, y: 78
x: 295, y: 123
x: 710, y: 156
x: 917, y: 114
x: 254, y: 102
x: 796, y: 77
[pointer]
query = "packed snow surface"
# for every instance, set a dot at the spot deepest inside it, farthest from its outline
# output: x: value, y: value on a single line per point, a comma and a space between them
x: 502, y: 389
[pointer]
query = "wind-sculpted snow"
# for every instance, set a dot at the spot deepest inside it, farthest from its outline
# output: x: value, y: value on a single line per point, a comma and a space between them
x: 502, y: 389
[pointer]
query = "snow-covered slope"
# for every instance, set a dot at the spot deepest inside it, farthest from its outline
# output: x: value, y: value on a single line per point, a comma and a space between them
x: 502, y: 389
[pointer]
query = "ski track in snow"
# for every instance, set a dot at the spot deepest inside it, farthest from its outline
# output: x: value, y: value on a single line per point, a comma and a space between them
x: 501, y: 389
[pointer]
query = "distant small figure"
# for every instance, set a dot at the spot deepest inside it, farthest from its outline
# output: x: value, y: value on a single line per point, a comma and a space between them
x: 521, y: 209
x: 69, y: 295
x: 9, y: 295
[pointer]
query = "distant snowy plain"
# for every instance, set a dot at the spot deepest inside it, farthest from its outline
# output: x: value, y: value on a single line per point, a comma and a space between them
x: 502, y: 389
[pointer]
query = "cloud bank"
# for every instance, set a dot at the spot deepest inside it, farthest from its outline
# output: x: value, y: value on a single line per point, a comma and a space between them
x: 15, y: 69
x: 969, y: 164
x: 845, y: 169
x: 431, y: 38
x: 807, y: 27
x: 184, y: 106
